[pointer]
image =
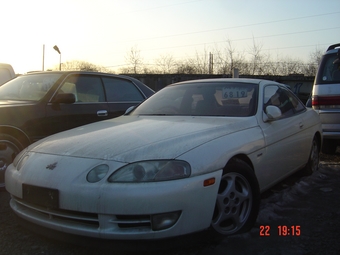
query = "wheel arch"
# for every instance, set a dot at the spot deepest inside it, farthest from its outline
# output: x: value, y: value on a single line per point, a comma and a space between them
x: 17, y: 134
x: 241, y: 173
x: 242, y: 157
x: 319, y: 139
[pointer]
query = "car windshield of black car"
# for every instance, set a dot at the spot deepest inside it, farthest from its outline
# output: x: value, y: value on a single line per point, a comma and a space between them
x: 28, y: 87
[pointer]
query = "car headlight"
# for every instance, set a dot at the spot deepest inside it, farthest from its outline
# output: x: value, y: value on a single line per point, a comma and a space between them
x: 151, y: 171
x: 97, y: 173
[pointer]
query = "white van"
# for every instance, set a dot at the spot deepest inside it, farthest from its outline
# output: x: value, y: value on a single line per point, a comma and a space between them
x: 326, y: 97
x: 6, y: 73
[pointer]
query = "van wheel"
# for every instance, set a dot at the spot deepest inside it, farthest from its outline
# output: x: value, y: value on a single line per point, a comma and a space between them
x: 329, y: 146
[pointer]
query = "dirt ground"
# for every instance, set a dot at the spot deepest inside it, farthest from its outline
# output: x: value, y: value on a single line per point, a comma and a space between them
x: 307, y: 206
x: 310, y: 209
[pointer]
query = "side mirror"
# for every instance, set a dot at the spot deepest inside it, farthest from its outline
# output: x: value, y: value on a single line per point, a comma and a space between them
x: 309, y: 103
x: 273, y: 112
x: 64, y: 98
x: 130, y: 109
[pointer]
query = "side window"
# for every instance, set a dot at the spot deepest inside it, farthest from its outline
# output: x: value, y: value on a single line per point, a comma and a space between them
x: 120, y: 90
x: 283, y: 99
x: 86, y: 88
x: 297, y: 105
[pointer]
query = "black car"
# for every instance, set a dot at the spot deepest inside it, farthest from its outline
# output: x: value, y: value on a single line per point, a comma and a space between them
x: 36, y: 105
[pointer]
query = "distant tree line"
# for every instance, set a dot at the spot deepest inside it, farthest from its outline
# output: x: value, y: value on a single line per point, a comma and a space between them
x: 219, y: 61
x: 78, y: 65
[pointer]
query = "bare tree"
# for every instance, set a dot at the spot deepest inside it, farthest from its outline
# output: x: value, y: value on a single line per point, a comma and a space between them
x: 134, y: 59
x: 201, y: 62
x: 259, y: 60
x: 166, y: 64
x: 227, y: 59
x: 79, y: 65
x: 186, y: 67
x: 312, y: 65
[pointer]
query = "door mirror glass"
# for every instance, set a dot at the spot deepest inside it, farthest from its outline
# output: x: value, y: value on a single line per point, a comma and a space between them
x: 64, y: 98
x: 273, y: 112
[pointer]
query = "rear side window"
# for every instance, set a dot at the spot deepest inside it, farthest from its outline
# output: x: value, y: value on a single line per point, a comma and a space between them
x: 329, y: 71
x: 86, y: 88
x: 120, y: 90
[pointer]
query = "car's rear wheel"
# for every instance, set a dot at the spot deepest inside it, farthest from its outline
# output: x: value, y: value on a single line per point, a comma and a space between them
x: 9, y: 148
x: 314, y: 158
x: 238, y: 200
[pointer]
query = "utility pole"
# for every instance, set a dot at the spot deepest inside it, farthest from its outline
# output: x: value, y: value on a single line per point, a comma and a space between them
x: 211, y: 63
x: 43, y: 58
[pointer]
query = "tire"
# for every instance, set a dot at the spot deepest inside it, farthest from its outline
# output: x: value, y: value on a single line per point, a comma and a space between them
x: 238, y: 200
x: 329, y: 146
x: 9, y: 149
x: 314, y: 158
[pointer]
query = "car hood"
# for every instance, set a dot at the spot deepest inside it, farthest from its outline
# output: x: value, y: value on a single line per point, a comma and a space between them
x: 14, y: 102
x: 133, y: 138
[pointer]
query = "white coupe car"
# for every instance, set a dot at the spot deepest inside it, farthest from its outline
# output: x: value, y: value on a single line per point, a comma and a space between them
x: 194, y: 156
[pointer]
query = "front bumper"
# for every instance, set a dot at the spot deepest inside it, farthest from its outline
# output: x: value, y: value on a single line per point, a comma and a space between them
x: 126, y: 211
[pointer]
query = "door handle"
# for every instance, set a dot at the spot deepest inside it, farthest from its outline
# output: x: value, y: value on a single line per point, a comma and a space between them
x: 102, y: 113
x: 300, y: 125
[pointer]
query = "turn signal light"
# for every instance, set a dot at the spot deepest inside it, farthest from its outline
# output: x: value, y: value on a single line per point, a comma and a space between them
x: 209, y: 182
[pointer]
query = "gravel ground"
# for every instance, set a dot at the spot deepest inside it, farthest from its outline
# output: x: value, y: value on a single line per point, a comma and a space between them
x: 309, y: 203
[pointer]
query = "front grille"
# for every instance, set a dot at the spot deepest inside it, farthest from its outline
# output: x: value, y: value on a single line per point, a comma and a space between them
x: 116, y: 223
x: 81, y: 218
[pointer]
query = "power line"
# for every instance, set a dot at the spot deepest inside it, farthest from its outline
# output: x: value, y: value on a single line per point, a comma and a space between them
x: 164, y: 6
x: 244, y: 39
x: 234, y: 27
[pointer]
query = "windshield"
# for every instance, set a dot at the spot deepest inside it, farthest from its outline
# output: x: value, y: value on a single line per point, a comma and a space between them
x: 28, y: 87
x: 329, y: 71
x: 202, y: 99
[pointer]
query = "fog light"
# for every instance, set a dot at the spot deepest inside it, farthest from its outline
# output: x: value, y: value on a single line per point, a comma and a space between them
x: 164, y: 220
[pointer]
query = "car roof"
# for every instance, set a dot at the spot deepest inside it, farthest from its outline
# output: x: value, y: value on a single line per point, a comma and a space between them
x: 223, y: 80
x: 81, y: 72
x: 69, y: 72
x: 145, y: 89
x: 333, y: 49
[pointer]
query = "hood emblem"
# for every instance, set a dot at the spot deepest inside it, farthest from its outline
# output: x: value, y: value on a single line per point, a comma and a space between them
x: 52, y: 166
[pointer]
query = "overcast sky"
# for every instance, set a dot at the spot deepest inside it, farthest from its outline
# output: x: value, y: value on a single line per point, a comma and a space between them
x: 102, y: 32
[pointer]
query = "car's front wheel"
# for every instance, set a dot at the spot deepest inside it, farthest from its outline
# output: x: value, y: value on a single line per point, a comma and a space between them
x: 238, y: 200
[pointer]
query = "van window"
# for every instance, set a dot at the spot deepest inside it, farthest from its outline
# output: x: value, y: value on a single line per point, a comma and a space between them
x: 329, y: 71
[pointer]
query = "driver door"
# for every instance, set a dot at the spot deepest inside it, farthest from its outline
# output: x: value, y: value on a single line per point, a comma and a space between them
x: 286, y: 137
x: 90, y: 104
